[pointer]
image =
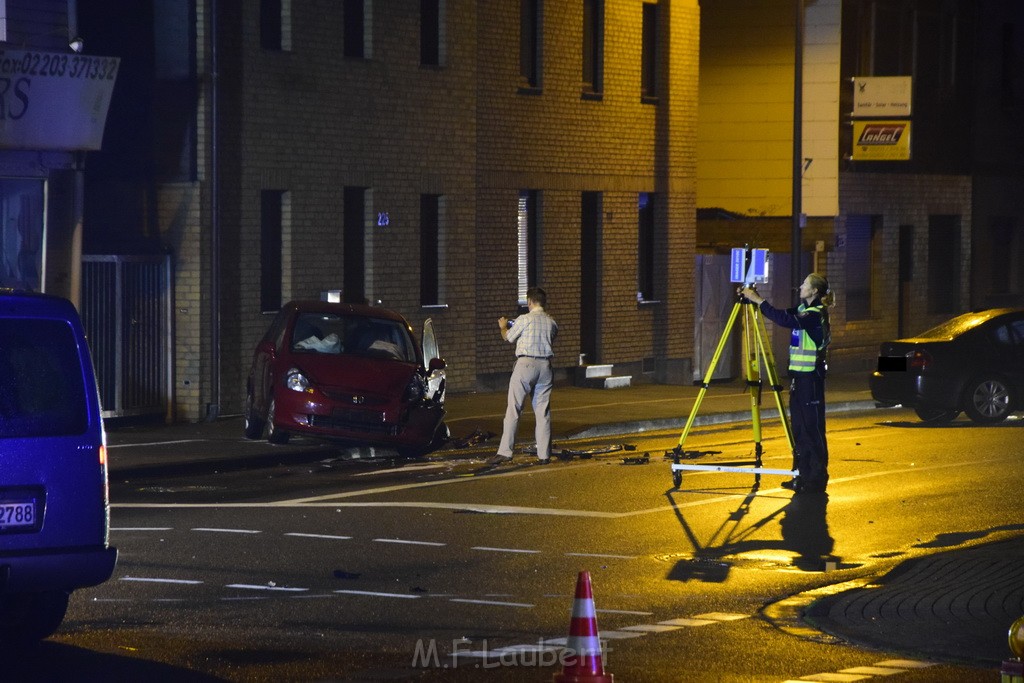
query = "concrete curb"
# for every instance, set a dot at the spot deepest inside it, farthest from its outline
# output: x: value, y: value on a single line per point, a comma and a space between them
x: 679, y: 423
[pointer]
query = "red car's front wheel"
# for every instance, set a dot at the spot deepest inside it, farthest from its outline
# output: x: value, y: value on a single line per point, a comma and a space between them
x: 274, y: 434
x: 253, y: 423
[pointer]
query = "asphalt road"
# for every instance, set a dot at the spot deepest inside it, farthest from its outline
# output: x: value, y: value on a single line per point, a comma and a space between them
x: 246, y: 562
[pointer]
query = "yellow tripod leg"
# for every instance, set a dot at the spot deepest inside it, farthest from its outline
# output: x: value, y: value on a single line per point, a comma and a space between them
x: 753, y: 374
x: 708, y: 375
x: 773, y: 378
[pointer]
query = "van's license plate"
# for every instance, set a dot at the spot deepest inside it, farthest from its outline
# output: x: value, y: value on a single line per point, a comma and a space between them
x: 17, y: 514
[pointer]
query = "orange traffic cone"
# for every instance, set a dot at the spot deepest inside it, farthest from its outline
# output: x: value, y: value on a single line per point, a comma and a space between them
x: 582, y: 657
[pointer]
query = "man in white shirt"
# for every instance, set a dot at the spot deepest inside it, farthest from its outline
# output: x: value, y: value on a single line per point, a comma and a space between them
x: 533, y: 334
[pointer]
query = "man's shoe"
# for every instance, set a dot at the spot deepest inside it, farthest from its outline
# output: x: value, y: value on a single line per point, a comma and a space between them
x: 793, y: 484
x: 544, y: 461
x: 499, y: 459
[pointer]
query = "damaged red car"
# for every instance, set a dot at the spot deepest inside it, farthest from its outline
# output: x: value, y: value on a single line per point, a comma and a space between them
x: 347, y: 373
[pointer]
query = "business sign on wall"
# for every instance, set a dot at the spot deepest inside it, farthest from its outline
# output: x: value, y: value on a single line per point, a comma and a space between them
x: 52, y: 100
x: 881, y: 96
x: 881, y: 140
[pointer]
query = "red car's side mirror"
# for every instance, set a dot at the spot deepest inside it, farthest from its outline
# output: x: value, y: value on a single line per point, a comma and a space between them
x: 436, y: 364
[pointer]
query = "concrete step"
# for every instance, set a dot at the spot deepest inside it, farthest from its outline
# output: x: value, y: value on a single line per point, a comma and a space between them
x: 600, y: 377
x: 592, y: 371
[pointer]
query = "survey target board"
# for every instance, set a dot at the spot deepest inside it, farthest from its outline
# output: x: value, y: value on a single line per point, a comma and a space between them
x: 749, y: 266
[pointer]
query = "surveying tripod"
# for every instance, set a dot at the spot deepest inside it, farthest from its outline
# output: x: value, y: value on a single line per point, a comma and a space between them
x: 756, y: 350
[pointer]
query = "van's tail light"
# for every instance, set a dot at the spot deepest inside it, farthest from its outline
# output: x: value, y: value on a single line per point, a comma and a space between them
x: 919, y: 360
x: 103, y: 455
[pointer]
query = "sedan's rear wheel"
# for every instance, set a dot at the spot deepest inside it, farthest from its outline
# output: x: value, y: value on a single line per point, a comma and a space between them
x: 253, y: 423
x: 988, y: 400
x: 936, y: 415
x: 274, y: 434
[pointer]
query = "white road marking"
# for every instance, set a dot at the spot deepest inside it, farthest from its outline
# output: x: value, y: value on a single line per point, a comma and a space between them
x: 620, y: 635
x: 624, y: 611
x: 227, y: 531
x: 328, y: 537
x: 336, y: 500
x: 312, y: 596
x: 688, y: 621
x: 610, y: 557
x: 407, y: 468
x: 402, y: 541
x: 375, y: 594
x: 468, y: 507
x: 906, y: 663
x: 889, y: 667
x: 872, y: 671
x: 497, y: 603
x: 141, y: 528
x: 504, y: 550
x: 651, y: 628
x: 638, y: 631
x: 721, y: 616
x: 142, y: 579
x: 242, y: 598
x: 258, y: 587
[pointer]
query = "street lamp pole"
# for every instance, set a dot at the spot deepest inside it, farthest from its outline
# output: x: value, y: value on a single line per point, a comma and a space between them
x: 798, y: 115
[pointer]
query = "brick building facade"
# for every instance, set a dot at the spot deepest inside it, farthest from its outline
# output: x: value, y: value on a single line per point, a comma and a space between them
x: 331, y: 125
x: 440, y: 157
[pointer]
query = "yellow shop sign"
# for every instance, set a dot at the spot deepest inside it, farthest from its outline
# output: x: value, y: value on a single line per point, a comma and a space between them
x: 881, y: 140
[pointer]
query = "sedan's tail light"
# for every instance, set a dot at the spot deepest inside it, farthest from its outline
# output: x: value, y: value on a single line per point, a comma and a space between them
x: 919, y: 360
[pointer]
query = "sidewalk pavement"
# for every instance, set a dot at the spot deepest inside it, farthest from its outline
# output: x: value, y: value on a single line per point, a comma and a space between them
x: 956, y: 605
x: 581, y: 413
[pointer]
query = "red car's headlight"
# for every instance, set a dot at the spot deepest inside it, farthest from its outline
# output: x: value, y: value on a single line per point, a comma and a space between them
x: 296, y: 381
x: 415, y: 391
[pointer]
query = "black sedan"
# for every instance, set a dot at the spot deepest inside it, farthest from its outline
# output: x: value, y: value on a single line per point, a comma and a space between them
x: 973, y: 363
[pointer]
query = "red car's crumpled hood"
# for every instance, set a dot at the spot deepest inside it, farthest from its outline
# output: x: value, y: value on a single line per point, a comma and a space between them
x: 356, y: 374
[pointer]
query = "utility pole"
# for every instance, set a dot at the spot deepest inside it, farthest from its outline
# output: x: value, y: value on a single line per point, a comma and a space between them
x: 798, y: 115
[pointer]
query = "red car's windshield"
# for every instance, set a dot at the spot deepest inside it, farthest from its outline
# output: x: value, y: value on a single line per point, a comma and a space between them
x: 350, y: 334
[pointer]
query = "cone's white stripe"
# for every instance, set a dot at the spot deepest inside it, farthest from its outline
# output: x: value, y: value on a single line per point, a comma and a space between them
x: 583, y: 609
x: 584, y: 645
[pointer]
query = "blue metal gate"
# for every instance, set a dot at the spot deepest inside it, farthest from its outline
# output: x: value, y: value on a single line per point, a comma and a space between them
x: 126, y: 310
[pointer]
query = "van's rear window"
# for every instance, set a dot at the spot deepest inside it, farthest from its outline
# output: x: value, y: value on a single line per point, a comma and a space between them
x: 41, y: 388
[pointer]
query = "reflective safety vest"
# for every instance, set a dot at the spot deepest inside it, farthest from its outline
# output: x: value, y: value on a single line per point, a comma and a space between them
x: 803, y: 352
